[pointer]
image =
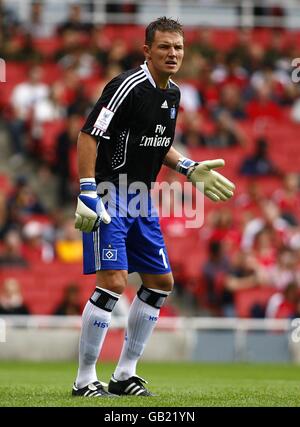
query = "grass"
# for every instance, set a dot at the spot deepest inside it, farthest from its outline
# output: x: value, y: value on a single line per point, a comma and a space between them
x: 29, y: 384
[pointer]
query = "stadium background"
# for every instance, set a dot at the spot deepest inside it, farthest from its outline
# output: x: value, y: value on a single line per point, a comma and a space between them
x: 238, y: 103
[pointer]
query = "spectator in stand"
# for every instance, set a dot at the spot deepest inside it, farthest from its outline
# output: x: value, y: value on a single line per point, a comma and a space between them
x: 203, y: 44
x: 214, y: 272
x: 248, y: 202
x: 36, y: 248
x: 265, y: 248
x: 75, y: 21
x: 244, y: 273
x: 240, y: 49
x: 11, y: 254
x: 277, y: 82
x: 68, y: 245
x: 116, y: 55
x: 49, y: 108
x: 259, y: 163
x: 227, y: 132
x: 285, y: 304
x: 274, y: 51
x: 36, y: 24
x: 135, y: 56
x: 23, y: 99
x: 23, y: 51
x: 285, y: 271
x: 231, y: 73
x: 23, y: 203
x: 68, y: 86
x: 11, y: 299
x: 65, y: 158
x: 256, y: 57
x: 263, y: 105
x: 288, y: 199
x: 81, y: 103
x: 99, y: 42
x: 190, y: 100
x: 111, y: 71
x: 192, y: 134
x: 220, y: 227
x: 8, y: 19
x: 70, y: 304
x: 69, y: 41
x: 270, y: 218
x: 231, y: 102
x: 80, y: 60
x: 46, y: 110
x: 209, y: 92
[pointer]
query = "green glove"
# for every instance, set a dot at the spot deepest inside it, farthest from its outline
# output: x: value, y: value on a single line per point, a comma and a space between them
x: 216, y: 186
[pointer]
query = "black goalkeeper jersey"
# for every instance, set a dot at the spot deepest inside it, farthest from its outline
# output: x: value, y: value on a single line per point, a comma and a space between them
x: 133, y: 123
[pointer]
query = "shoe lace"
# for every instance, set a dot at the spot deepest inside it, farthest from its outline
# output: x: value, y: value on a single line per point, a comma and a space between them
x: 100, y: 385
x: 140, y: 381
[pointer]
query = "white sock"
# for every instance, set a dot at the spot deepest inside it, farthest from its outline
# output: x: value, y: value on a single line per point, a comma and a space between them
x: 95, y: 323
x: 141, y: 323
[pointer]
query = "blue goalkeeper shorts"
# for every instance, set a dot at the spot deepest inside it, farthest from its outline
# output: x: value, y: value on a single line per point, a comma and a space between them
x: 132, y: 243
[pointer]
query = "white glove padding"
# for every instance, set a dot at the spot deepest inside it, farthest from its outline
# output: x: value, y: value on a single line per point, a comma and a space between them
x: 90, y: 212
x: 216, y: 186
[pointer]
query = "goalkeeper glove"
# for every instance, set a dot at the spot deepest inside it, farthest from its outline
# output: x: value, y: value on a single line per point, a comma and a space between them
x: 216, y: 186
x: 90, y: 209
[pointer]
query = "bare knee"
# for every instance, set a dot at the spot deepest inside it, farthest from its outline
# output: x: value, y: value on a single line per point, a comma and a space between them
x: 162, y: 282
x: 112, y: 280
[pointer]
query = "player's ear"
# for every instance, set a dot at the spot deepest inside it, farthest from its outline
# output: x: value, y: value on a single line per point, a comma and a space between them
x: 146, y: 49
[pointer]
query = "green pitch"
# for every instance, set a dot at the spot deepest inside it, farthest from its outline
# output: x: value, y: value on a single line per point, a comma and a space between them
x: 180, y: 384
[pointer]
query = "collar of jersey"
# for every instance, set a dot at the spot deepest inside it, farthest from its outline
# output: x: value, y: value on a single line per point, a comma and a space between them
x: 144, y: 66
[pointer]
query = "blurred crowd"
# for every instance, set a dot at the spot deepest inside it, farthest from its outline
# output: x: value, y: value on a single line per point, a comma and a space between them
x: 253, y: 243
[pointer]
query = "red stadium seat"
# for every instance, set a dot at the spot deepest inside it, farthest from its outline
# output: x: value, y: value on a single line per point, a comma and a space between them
x: 6, y: 185
x: 51, y: 72
x: 6, y: 92
x: 128, y: 33
x: 48, y: 46
x: 246, y: 299
x: 50, y: 133
x: 16, y: 72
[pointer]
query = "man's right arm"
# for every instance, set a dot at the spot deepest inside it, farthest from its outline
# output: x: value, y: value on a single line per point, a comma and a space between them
x: 90, y: 210
x: 86, y: 155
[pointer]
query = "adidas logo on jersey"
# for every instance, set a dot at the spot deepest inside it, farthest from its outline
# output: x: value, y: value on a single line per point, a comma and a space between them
x: 164, y: 105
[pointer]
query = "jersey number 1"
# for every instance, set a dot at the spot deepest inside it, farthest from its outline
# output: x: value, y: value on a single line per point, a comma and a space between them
x: 161, y: 252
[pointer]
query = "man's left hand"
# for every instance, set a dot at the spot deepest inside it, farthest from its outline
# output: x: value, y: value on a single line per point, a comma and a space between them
x: 216, y: 186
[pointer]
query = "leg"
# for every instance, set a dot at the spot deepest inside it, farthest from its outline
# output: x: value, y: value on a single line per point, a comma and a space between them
x: 104, y: 252
x: 95, y: 322
x: 162, y: 282
x: 143, y: 315
x: 146, y: 253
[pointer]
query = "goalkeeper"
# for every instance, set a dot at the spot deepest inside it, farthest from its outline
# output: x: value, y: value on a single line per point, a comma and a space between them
x: 130, y: 132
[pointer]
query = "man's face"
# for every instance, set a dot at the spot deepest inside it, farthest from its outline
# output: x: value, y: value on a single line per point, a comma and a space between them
x: 166, y: 52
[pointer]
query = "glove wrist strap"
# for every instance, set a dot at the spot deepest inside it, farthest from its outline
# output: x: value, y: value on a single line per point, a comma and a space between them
x: 191, y: 169
x: 184, y: 165
x: 88, y: 185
